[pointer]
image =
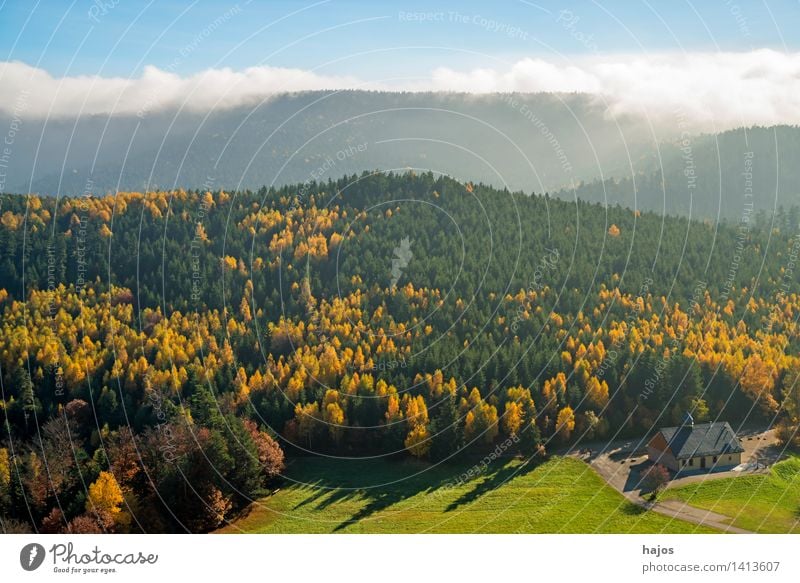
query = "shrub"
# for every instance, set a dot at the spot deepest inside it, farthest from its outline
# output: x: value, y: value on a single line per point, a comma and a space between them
x: 654, y: 478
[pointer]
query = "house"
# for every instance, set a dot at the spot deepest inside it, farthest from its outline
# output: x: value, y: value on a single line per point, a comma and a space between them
x: 696, y: 447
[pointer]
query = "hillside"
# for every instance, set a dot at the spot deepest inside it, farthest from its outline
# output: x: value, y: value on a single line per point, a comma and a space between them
x: 728, y: 176
x: 387, y: 315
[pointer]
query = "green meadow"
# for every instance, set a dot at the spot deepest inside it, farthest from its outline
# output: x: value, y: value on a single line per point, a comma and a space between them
x: 561, y: 495
x: 761, y: 503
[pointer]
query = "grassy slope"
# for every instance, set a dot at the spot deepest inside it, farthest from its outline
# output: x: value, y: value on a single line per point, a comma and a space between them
x: 761, y: 503
x: 561, y: 495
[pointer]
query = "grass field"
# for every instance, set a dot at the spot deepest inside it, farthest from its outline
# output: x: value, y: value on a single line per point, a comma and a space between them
x: 761, y: 503
x: 379, y: 496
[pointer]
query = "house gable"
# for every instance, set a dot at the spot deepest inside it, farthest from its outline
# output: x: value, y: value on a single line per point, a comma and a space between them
x: 658, y: 442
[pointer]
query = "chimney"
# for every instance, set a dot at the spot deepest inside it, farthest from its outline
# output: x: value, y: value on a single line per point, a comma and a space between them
x: 688, y: 420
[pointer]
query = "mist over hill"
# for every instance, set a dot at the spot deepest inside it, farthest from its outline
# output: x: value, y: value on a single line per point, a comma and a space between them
x: 533, y: 142
x: 565, y: 144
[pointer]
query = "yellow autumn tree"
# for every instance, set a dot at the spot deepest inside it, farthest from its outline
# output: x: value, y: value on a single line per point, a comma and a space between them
x: 553, y: 390
x: 418, y: 441
x: 481, y: 420
x: 244, y: 310
x: 200, y: 232
x: 512, y: 418
x: 416, y: 412
x: 105, y: 499
x: 758, y: 381
x: 230, y: 263
x: 565, y: 423
x: 597, y: 391
x: 5, y: 471
x: 333, y: 415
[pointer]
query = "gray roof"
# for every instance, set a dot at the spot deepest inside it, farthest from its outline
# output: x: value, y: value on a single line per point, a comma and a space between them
x: 688, y: 441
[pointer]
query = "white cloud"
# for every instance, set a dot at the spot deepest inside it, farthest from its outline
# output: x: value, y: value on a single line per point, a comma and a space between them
x: 43, y: 95
x: 527, y: 75
x: 714, y: 90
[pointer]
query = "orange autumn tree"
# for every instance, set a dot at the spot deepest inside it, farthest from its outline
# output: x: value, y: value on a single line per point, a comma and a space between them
x: 758, y: 381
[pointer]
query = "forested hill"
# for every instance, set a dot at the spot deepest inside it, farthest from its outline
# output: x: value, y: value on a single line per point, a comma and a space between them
x: 718, y: 176
x: 466, y: 241
x: 378, y: 314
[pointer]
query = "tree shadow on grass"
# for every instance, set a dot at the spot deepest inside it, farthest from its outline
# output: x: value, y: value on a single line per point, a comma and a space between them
x: 397, y: 481
x: 319, y: 491
x: 378, y: 502
x: 381, y: 498
x: 631, y: 509
x: 379, y: 484
x: 326, y: 493
x: 498, y: 475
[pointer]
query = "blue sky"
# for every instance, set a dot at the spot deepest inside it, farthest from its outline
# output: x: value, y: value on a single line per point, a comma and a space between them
x: 120, y: 37
x: 725, y: 63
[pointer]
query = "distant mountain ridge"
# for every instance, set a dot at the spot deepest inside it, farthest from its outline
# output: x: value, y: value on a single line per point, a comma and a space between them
x: 730, y: 176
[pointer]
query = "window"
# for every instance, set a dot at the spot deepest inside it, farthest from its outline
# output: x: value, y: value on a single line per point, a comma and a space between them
x: 715, y: 459
x: 729, y: 458
x: 691, y: 462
